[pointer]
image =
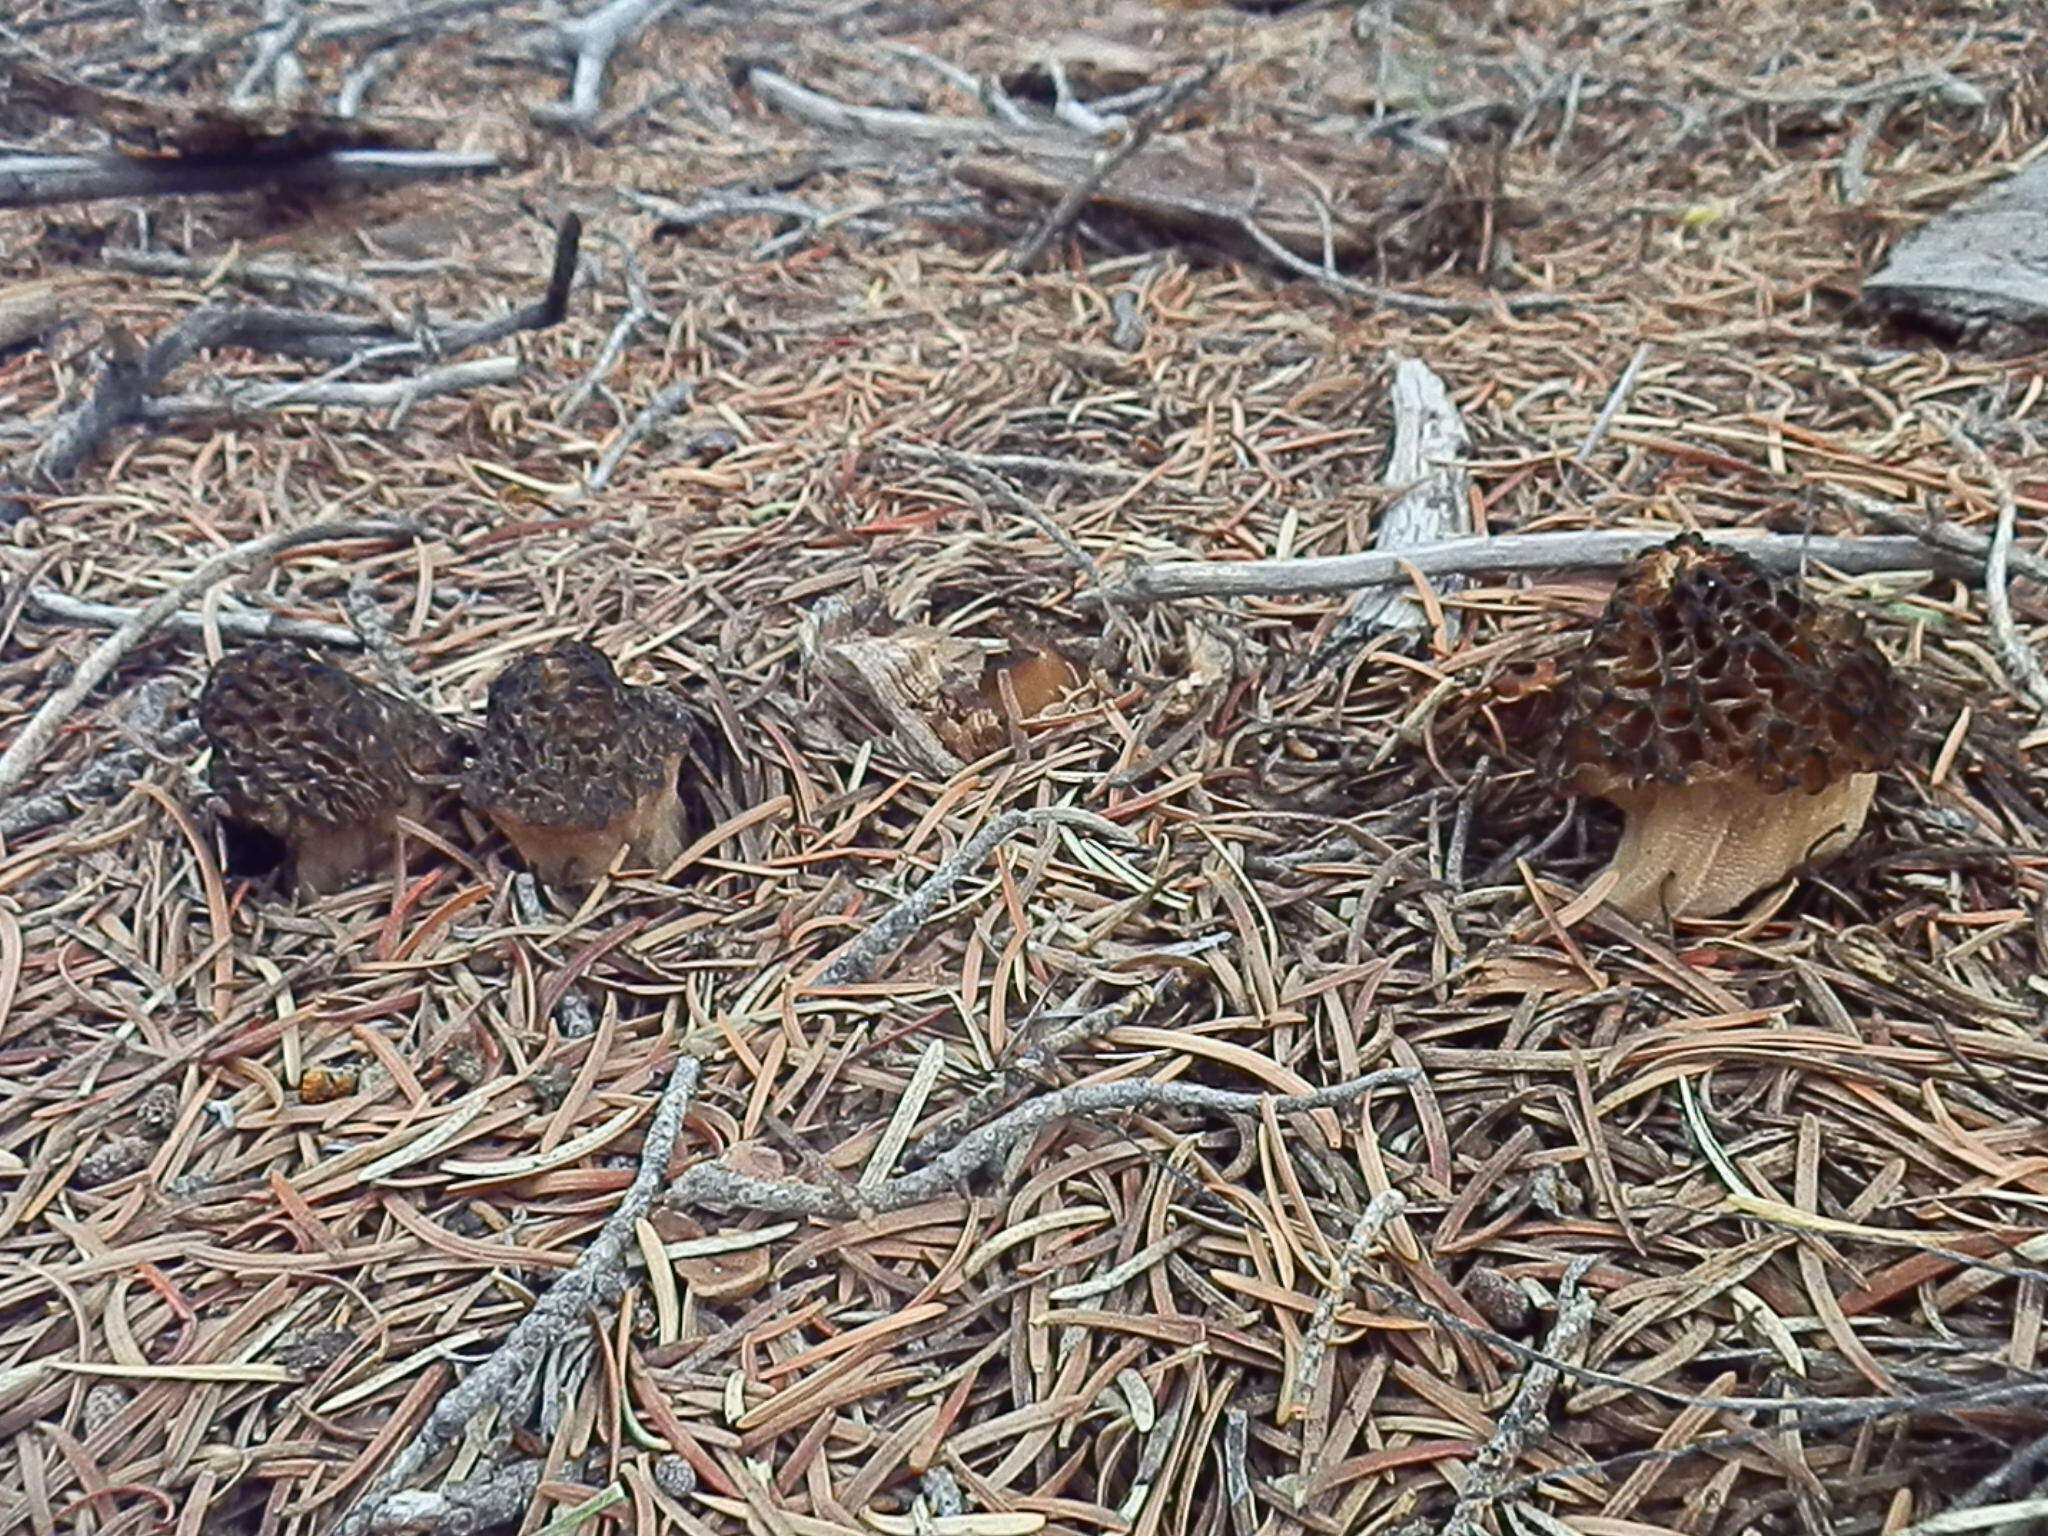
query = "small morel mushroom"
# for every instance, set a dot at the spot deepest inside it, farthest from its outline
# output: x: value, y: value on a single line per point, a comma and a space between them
x: 574, y: 766
x: 304, y: 752
x: 1739, y: 726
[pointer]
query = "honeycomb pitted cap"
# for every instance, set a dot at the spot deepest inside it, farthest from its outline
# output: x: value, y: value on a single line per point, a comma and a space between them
x: 314, y: 757
x: 1705, y: 665
x: 574, y: 765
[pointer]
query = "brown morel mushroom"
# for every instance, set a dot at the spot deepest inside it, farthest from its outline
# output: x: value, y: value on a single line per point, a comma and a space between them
x: 575, y: 766
x: 327, y: 765
x: 1739, y: 726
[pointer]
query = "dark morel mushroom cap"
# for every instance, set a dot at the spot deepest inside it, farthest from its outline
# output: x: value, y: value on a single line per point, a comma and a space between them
x: 1705, y: 664
x: 574, y: 765
x: 310, y: 755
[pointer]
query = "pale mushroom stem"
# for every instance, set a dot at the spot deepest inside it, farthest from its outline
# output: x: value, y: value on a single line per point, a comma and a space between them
x: 1701, y: 849
x: 649, y: 831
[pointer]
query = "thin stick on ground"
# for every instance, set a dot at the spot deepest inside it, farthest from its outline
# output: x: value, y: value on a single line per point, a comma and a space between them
x: 2021, y: 665
x: 672, y: 397
x: 718, y: 1187
x: 1616, y: 399
x: 855, y: 962
x: 508, y: 1378
x: 63, y: 608
x: 1526, y: 1416
x: 1147, y: 123
x: 27, y: 749
x: 591, y: 41
x: 1510, y: 554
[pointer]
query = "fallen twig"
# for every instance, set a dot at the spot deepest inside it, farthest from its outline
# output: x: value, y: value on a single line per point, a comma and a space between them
x: 237, y: 624
x: 672, y: 397
x: 1391, y: 298
x: 1590, y: 550
x: 1616, y: 399
x: 1147, y: 123
x: 507, y: 1380
x: 639, y: 310
x: 1973, y: 549
x: 122, y: 397
x: 2021, y: 665
x: 377, y: 395
x: 36, y: 737
x: 858, y: 959
x: 833, y: 115
x: 109, y: 773
x: 251, y: 274
x: 590, y: 41
x: 1435, y: 503
x: 713, y: 1185
x: 1526, y: 1416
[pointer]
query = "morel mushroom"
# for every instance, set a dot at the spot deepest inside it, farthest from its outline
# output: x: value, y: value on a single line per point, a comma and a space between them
x: 575, y: 767
x: 306, y: 753
x: 1739, y: 726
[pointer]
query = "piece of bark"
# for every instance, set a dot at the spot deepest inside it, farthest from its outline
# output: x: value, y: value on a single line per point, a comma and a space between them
x: 1978, y: 270
x: 1429, y: 440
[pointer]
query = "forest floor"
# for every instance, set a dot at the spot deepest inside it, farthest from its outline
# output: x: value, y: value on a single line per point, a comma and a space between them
x: 1728, y: 1228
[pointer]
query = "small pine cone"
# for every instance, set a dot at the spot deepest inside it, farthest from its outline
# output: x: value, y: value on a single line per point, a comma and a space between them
x: 116, y: 1160
x: 102, y: 1403
x: 157, y: 1111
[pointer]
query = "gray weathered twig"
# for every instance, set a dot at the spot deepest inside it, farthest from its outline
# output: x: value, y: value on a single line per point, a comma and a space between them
x: 235, y: 623
x: 1588, y: 550
x: 858, y: 959
x: 509, y: 1377
x: 713, y: 1185
x: 1526, y: 1416
x: 1147, y: 123
x: 1435, y: 503
x: 123, y: 395
x: 591, y: 41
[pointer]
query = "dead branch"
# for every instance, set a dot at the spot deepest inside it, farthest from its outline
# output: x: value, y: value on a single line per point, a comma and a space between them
x: 672, y: 397
x: 507, y: 1380
x: 129, y: 377
x: 590, y: 41
x: 1511, y: 554
x: 834, y: 116
x: 36, y: 737
x: 1973, y: 550
x: 718, y: 1187
x: 858, y: 959
x: 1388, y: 298
x: 639, y: 310
x: 28, y: 181
x: 1526, y: 1416
x: 114, y: 770
x: 251, y: 274
x: 1148, y: 122
x: 237, y: 624
x: 2022, y: 666
x: 381, y: 395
